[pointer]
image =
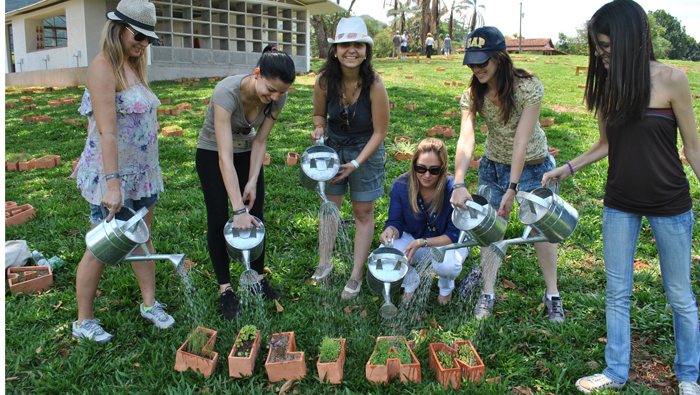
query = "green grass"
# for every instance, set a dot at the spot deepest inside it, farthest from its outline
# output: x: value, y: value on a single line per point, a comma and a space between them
x: 518, y: 344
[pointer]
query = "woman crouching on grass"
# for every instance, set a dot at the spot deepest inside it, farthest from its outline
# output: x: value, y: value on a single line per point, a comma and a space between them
x: 351, y: 108
x: 230, y: 157
x: 119, y: 165
x: 641, y: 104
x: 420, y: 216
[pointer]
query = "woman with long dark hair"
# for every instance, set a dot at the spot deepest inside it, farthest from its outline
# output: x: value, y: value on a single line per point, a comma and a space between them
x: 420, y: 216
x: 351, y: 108
x: 640, y: 103
x: 515, y: 152
x: 119, y: 165
x: 229, y: 160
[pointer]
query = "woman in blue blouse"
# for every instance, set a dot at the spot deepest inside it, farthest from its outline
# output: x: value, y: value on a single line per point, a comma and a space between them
x: 420, y: 216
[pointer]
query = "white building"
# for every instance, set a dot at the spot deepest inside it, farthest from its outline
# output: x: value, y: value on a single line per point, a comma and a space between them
x: 50, y: 43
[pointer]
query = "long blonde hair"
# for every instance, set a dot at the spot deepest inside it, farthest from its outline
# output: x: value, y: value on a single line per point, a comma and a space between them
x: 113, y: 51
x: 436, y: 146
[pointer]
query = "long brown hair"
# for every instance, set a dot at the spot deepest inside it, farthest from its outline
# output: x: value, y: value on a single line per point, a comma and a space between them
x: 505, y: 77
x: 437, y: 147
x: 113, y: 51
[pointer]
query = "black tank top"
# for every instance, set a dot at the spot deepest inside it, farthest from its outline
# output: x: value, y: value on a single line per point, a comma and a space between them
x: 359, y: 115
x: 645, y: 174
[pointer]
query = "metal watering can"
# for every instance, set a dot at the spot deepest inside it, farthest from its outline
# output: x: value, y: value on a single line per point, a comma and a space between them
x: 245, y: 245
x: 319, y: 164
x: 386, y: 268
x: 545, y: 212
x: 113, y: 242
x: 480, y: 224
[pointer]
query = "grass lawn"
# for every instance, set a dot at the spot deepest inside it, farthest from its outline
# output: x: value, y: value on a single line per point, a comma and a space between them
x: 518, y: 344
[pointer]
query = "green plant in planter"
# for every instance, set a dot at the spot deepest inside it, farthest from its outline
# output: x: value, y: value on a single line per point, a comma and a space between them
x: 445, y: 359
x: 383, y: 352
x: 21, y: 157
x: 198, y: 338
x: 403, y: 147
x: 329, y: 350
x: 248, y: 333
x: 466, y: 355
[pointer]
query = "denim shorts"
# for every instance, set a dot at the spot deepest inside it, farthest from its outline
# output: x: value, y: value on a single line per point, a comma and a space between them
x: 99, y: 213
x: 497, y: 176
x: 366, y: 182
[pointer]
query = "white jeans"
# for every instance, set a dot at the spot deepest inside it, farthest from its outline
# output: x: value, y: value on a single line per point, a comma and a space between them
x: 448, y: 270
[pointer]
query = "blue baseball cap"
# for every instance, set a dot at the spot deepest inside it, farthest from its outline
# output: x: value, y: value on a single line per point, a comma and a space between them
x: 481, y: 43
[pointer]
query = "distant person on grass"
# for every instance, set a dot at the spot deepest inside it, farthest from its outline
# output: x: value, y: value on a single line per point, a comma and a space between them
x: 515, y: 152
x: 119, y: 165
x: 420, y: 216
x: 404, y: 45
x: 230, y: 157
x: 640, y: 103
x: 351, y: 109
x: 429, y: 42
x: 447, y: 43
x: 397, y: 44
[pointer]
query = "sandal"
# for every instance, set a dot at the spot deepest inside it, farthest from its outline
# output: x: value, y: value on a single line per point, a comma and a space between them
x: 597, y: 382
x: 352, y: 289
x: 322, y: 272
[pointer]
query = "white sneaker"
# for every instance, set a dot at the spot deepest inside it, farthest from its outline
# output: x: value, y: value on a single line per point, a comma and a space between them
x: 90, y: 330
x: 688, y: 388
x: 597, y: 382
x: 158, y: 316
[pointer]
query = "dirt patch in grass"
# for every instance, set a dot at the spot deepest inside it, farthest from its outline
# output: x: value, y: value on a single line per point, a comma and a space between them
x: 559, y: 108
x: 649, y: 370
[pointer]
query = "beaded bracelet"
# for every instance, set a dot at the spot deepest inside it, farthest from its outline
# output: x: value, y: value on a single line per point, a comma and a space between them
x: 571, y: 168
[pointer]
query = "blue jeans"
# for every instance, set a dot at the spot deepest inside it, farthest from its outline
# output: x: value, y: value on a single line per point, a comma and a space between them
x: 497, y: 176
x: 673, y: 240
x: 366, y: 182
x: 99, y: 213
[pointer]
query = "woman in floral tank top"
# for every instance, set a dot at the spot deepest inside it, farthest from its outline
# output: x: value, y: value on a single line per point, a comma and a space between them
x: 119, y: 164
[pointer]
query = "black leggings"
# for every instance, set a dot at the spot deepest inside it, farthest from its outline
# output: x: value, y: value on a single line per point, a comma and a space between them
x: 218, y: 205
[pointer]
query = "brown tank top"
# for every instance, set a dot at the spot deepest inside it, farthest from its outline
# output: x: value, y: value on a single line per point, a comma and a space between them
x: 645, y: 174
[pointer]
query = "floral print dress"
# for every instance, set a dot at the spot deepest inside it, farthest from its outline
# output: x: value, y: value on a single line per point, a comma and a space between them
x: 137, y: 143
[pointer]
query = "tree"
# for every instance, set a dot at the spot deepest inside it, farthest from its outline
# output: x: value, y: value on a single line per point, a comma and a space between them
x: 577, y: 45
x: 662, y: 46
x: 475, y: 19
x: 683, y: 47
x: 324, y: 25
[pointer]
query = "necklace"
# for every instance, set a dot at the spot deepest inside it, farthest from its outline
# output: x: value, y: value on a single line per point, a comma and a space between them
x: 344, y: 114
x: 357, y: 85
x: 431, y: 227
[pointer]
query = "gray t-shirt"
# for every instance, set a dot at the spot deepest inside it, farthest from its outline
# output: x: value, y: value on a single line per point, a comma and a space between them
x: 227, y: 94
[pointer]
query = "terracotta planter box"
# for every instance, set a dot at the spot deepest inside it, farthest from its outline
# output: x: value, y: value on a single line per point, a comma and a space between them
x: 484, y: 128
x: 31, y: 118
x: 408, y: 77
x: 475, y: 163
x: 206, y: 101
x: 473, y: 373
x: 410, y: 107
x: 28, y: 165
x: 10, y: 105
x: 211, y: 79
x: 26, y: 99
x: 440, y: 69
x: 581, y: 85
x: 458, y: 84
x: 311, y: 86
x: 12, y: 166
x: 312, y: 74
x: 178, y: 80
x: 447, y: 83
x: 184, y: 106
x: 162, y: 112
x: 392, y: 105
x: 186, y: 84
x: 399, y: 156
x: 206, y: 366
x: 71, y: 121
x: 449, y: 132
x: 30, y: 107
x: 47, y: 161
x: 75, y: 163
x: 266, y: 160
x: 458, y: 98
x: 553, y: 152
x: 450, y: 114
x: 172, y: 131
x: 165, y: 101
x: 434, y: 131
x: 393, y: 367
x: 286, y: 370
x: 54, y: 103
x: 448, y: 377
x: 43, y: 118
x: 402, y: 138
x: 34, y: 281
x: 17, y: 215
x: 243, y: 366
x: 399, y: 68
x: 195, y: 79
x: 547, y: 122
x: 292, y: 158
x: 332, y: 372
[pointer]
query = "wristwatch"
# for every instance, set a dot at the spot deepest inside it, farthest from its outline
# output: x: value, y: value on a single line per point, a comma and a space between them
x: 513, y: 186
x: 425, y: 242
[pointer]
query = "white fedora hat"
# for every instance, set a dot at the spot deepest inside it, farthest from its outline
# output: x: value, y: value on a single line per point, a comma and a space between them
x: 351, y: 30
x: 139, y: 14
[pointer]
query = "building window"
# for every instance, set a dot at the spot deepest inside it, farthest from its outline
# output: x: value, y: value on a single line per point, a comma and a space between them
x: 55, y: 34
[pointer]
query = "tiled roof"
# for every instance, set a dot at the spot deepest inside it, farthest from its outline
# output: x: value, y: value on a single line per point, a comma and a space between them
x: 545, y: 43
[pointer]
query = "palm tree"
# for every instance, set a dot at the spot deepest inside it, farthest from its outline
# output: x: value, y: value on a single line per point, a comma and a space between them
x: 471, y: 14
x: 398, y: 15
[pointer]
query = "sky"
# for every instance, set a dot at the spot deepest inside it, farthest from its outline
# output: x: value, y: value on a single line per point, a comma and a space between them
x: 546, y: 18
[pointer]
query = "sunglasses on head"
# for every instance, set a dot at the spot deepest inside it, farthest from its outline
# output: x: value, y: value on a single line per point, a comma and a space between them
x: 140, y: 36
x: 434, y: 170
x: 481, y: 66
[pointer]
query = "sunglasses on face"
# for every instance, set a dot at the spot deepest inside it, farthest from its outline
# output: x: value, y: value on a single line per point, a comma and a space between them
x: 140, y: 36
x: 434, y: 170
x: 481, y: 66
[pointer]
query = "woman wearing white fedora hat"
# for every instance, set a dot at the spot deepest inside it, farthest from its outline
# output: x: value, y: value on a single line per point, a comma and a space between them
x: 119, y: 165
x: 351, y: 108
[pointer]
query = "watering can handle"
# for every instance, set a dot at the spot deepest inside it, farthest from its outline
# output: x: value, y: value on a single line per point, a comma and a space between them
x: 136, y: 218
x: 555, y: 187
x: 320, y: 141
x: 531, y: 197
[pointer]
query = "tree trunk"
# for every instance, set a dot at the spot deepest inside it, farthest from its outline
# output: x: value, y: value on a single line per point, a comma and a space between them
x: 424, y: 24
x: 435, y: 22
x: 321, y: 36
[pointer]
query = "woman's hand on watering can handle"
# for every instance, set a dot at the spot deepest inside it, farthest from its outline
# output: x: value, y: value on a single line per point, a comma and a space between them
x: 112, y: 200
x: 244, y: 221
x: 459, y: 198
x: 388, y: 234
x: 317, y: 134
x: 559, y: 174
